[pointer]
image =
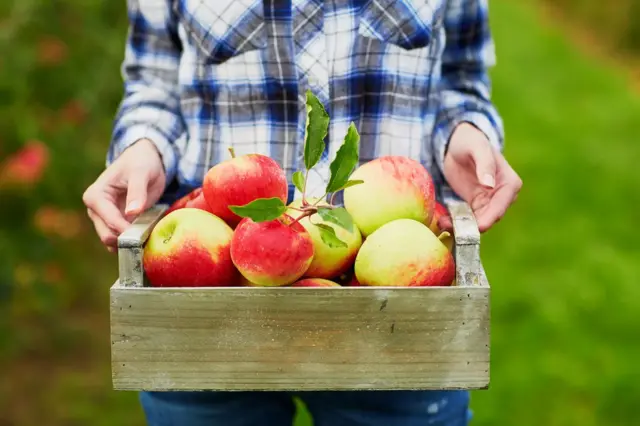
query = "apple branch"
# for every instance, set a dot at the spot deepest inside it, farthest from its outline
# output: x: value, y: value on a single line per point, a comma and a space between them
x: 304, y: 188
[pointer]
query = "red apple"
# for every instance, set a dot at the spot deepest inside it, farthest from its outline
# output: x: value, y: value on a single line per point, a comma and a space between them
x: 199, y: 202
x: 315, y: 282
x: 272, y: 253
x: 438, y: 212
x: 354, y: 282
x: 194, y: 199
x: 26, y: 166
x: 190, y: 248
x: 241, y: 180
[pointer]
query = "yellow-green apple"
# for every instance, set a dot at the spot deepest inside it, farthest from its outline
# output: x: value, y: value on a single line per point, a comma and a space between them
x: 328, y: 262
x: 395, y: 187
x: 194, y: 199
x: 271, y: 253
x: 241, y: 180
x: 438, y: 212
x: 404, y: 252
x: 314, y: 282
x: 190, y: 247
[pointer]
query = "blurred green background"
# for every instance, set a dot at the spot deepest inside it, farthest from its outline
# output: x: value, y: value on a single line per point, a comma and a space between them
x: 563, y: 263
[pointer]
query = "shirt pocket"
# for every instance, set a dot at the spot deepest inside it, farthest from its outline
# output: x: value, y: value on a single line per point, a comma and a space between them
x: 223, y: 29
x: 409, y: 24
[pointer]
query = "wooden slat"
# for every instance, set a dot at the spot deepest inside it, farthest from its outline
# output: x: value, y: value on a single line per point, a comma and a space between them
x: 300, y: 338
x: 131, y: 243
x: 469, y: 271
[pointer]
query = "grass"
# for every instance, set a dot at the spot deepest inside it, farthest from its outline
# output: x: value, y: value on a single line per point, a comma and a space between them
x: 562, y: 264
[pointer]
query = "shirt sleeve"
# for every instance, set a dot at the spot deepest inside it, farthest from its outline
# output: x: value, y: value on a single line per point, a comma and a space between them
x: 150, y: 105
x: 465, y: 85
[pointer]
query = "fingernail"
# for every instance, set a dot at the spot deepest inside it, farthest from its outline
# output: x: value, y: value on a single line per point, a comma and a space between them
x: 488, y: 180
x: 135, y: 204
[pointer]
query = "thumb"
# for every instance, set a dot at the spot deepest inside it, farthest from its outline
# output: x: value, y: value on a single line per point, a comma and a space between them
x: 137, y: 194
x: 485, y: 162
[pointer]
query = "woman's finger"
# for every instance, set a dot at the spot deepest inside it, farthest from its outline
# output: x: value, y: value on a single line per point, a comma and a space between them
x: 98, y: 202
x: 506, y: 194
x: 108, y: 237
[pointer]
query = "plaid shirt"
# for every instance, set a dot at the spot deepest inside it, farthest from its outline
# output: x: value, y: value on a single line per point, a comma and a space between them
x: 205, y: 75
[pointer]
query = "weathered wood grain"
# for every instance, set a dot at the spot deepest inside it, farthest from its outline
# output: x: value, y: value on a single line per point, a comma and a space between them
x: 130, y: 246
x: 300, y: 338
x: 469, y: 271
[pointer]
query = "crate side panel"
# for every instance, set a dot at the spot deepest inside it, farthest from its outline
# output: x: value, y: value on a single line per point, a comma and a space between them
x: 300, y: 339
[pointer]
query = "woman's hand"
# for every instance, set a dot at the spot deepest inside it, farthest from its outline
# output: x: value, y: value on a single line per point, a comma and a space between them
x: 480, y: 175
x: 133, y: 183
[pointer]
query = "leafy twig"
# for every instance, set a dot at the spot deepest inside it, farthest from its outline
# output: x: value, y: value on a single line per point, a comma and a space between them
x: 341, y: 167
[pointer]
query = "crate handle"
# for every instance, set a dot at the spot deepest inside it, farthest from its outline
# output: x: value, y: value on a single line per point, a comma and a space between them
x: 131, y: 243
x: 469, y: 270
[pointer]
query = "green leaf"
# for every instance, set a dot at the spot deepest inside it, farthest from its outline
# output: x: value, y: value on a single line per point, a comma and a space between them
x: 298, y: 181
x: 346, y: 159
x: 349, y: 183
x: 329, y: 237
x: 339, y: 216
x: 316, y: 131
x: 261, y: 210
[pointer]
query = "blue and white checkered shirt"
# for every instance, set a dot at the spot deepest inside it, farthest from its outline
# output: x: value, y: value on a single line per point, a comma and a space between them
x: 205, y: 75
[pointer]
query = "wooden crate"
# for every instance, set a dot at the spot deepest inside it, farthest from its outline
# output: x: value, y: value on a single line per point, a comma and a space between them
x: 240, y: 338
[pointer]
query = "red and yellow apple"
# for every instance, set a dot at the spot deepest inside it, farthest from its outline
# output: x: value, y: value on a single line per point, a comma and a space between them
x: 444, y: 236
x: 315, y: 282
x: 241, y: 180
x: 190, y: 247
x: 194, y: 199
x: 271, y: 253
x: 395, y: 187
x: 404, y: 252
x: 328, y: 262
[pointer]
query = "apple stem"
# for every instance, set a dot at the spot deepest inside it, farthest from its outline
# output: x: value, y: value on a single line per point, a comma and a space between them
x: 305, y: 213
x: 320, y: 199
x: 232, y: 152
x: 443, y: 235
x: 304, y: 189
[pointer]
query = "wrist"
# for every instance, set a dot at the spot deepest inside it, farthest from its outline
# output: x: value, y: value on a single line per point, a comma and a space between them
x: 145, y: 149
x: 148, y: 145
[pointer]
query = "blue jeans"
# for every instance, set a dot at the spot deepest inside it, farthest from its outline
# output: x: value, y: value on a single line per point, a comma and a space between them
x: 343, y: 408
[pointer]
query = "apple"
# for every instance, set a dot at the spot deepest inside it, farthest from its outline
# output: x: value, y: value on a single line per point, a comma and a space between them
x: 438, y: 212
x: 190, y: 247
x: 245, y: 282
x: 271, y: 253
x: 194, y: 199
x: 404, y: 252
x: 26, y: 166
x: 354, y: 282
x: 315, y: 282
x: 395, y: 187
x: 328, y: 262
x: 241, y: 180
